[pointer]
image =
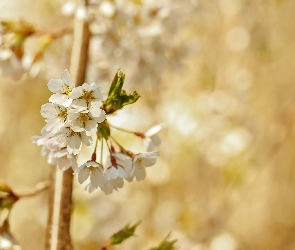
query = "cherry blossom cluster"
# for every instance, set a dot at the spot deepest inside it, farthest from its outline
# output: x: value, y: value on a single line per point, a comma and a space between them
x: 77, y: 115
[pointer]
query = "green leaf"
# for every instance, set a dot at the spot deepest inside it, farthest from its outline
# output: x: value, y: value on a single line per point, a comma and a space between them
x: 118, y: 98
x: 128, y: 99
x: 165, y: 245
x: 123, y: 234
x: 117, y: 83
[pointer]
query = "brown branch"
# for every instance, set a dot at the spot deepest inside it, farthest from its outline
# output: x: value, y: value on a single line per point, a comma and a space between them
x: 60, y: 197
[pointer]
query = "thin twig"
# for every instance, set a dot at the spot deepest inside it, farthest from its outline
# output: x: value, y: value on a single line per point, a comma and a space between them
x: 40, y: 187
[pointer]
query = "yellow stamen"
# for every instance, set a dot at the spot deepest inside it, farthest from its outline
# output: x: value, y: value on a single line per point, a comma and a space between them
x: 68, y: 90
x: 87, y: 96
x: 63, y: 114
x: 83, y: 117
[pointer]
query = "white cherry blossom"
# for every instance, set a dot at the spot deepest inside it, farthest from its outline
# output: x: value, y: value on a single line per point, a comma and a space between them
x: 89, y: 187
x: 109, y: 186
x: 151, y: 139
x: 72, y: 139
x: 97, y: 178
x: 140, y: 162
x: 56, y: 116
x: 86, y: 120
x: 93, y: 170
x: 61, y: 89
x: 85, y: 94
x: 64, y: 160
x: 49, y: 146
x: 118, y: 165
x: 113, y: 184
x: 54, y: 153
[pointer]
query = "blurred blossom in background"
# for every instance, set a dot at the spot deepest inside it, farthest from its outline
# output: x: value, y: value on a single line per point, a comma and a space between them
x: 218, y: 73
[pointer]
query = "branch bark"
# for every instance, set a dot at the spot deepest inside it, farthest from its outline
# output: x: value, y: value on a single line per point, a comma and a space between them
x: 60, y: 196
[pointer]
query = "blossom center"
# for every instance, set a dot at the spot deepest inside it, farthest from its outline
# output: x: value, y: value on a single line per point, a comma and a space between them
x: 68, y: 90
x: 140, y: 162
x: 87, y: 96
x: 92, y: 170
x: 63, y: 114
x: 83, y: 117
x: 73, y: 133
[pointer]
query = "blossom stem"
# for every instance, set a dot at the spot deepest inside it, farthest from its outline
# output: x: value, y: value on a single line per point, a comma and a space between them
x: 101, y: 152
x: 96, y: 143
x: 122, y: 129
x: 120, y: 146
x: 109, y: 147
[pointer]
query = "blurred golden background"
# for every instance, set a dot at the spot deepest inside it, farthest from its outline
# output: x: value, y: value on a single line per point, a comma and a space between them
x: 225, y: 91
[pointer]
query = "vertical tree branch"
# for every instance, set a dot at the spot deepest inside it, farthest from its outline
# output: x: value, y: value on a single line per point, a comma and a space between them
x: 60, y: 196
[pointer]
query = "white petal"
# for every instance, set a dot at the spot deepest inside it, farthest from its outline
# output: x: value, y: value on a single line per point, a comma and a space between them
x: 49, y: 110
x: 63, y: 163
x: 117, y: 183
x: 90, y: 188
x: 77, y: 126
x: 104, y: 95
x: 74, y: 145
x: 79, y: 105
x: 53, y: 125
x: 112, y: 173
x: 67, y: 78
x: 61, y: 99
x: 122, y: 173
x: 98, y: 95
x: 146, y: 159
x: 94, y: 109
x: 101, y: 118
x: 139, y: 174
x: 148, y: 162
x: 55, y: 85
x: 90, y: 126
x: 80, y: 168
x: 153, y: 130
x: 36, y: 139
x: 68, y: 102
x: 87, y: 140
x: 125, y: 161
x: 76, y: 93
x: 148, y: 144
x: 51, y: 160
x: 88, y: 87
x: 83, y: 175
x: 156, y: 140
x: 121, y: 157
x: 60, y: 137
x: 112, y: 184
x: 97, y: 178
x: 73, y: 161
x: 108, y: 188
x: 108, y: 163
x: 72, y: 115
x: 61, y: 153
